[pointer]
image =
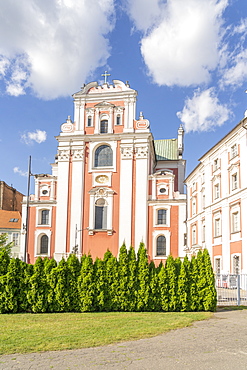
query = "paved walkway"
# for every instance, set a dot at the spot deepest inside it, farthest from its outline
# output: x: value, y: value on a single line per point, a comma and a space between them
x: 219, y: 343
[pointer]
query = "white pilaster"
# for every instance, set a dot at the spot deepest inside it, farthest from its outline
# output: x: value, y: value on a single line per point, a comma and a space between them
x: 125, y: 199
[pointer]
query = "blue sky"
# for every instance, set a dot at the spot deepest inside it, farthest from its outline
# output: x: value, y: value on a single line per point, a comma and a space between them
x: 186, y: 58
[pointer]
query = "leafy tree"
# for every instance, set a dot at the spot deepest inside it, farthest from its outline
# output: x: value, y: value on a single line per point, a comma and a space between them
x: 202, y: 281
x: 86, y: 285
x: 142, y: 279
x: 4, y: 246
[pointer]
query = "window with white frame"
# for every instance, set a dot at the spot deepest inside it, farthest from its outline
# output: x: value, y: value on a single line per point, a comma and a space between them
x: 43, y: 247
x: 104, y: 126
x: 161, y: 246
x: 217, y: 227
x: 236, y: 265
x: 193, y: 235
x: 44, y: 217
x: 203, y: 232
x: 162, y: 217
x: 15, y: 239
x: 235, y: 222
x: 89, y: 121
x: 118, y: 120
x: 100, y: 214
x: 194, y: 186
x: 193, y: 206
x: 216, y: 191
x: 234, y: 181
x: 216, y: 164
x: 203, y: 178
x: 234, y: 151
x: 217, y: 265
x: 103, y: 156
x: 203, y: 199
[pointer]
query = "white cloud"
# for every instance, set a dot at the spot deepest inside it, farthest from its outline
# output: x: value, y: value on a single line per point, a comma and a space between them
x: 59, y: 43
x: 203, y: 112
x: 146, y: 16
x: 20, y: 172
x: 38, y: 136
x: 182, y: 46
x: 237, y: 74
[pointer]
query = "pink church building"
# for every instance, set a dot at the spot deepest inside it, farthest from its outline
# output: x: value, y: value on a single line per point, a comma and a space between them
x: 111, y: 183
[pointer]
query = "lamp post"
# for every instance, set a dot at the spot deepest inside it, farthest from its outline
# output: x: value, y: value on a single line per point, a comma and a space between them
x: 27, y: 214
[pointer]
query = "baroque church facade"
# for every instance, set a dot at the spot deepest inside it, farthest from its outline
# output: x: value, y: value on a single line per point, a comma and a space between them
x: 111, y: 183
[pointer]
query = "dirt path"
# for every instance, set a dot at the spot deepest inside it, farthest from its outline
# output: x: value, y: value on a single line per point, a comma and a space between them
x: 219, y: 343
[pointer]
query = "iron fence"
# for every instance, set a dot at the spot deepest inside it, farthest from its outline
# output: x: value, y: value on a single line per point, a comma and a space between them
x: 231, y: 289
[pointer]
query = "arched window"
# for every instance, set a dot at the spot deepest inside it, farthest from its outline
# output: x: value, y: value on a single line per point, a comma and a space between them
x: 100, y: 214
x: 161, y: 246
x: 104, y: 126
x: 44, y: 244
x: 161, y: 217
x: 103, y: 156
x: 44, y: 217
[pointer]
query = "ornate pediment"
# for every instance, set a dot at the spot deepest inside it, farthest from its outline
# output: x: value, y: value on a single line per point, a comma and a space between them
x: 104, y: 104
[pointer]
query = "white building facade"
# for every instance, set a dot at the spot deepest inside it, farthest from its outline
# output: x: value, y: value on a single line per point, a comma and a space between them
x: 217, y: 203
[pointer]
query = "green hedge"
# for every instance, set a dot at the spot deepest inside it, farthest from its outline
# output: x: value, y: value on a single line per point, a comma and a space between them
x: 130, y: 283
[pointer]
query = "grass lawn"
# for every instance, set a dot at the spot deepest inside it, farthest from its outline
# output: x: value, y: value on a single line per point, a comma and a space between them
x: 22, y: 333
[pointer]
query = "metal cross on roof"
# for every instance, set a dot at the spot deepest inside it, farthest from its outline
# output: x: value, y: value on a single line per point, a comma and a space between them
x: 105, y: 75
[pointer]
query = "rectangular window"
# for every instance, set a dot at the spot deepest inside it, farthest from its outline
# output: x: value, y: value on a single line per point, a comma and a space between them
x: 234, y: 151
x: 104, y: 127
x: 193, y: 207
x: 217, y: 231
x: 203, y: 177
x: 216, y: 164
x: 161, y: 219
x: 193, y: 236
x: 217, y: 266
x: 45, y: 217
x: 203, y: 233
x: 236, y: 265
x: 216, y: 191
x: 15, y: 239
x: 118, y: 120
x: 234, y: 181
x: 89, y: 121
x: 203, y: 201
x: 235, y: 222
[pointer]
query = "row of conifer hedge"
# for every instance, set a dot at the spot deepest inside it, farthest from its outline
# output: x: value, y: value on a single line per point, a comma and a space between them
x: 129, y: 283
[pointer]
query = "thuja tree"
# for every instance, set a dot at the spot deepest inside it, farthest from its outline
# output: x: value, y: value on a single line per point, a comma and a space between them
x: 86, y: 285
x: 37, y: 295
x: 4, y: 246
x: 111, y: 278
x: 183, y: 292
x: 172, y: 280
x: 4, y: 261
x: 51, y: 279
x: 163, y: 288
x: 62, y: 288
x: 142, y: 279
x: 201, y: 281
x: 132, y: 279
x: 193, y: 289
x: 123, y: 280
x: 74, y: 268
x: 210, y: 298
x: 101, y: 293
x: 154, y: 303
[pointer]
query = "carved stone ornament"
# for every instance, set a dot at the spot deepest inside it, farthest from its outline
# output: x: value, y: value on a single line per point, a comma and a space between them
x: 68, y: 126
x: 63, y: 155
x: 141, y: 151
x: 142, y: 124
x: 78, y: 154
x: 126, y: 152
x: 102, y: 179
x: 101, y: 192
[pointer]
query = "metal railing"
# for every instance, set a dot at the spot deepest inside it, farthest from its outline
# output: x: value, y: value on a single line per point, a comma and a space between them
x: 231, y: 289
